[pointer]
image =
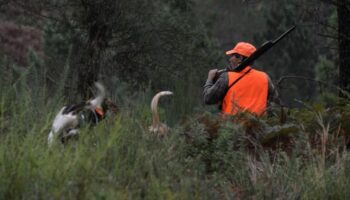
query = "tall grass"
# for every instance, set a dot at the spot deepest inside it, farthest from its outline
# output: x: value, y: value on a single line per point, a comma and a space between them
x: 118, y: 159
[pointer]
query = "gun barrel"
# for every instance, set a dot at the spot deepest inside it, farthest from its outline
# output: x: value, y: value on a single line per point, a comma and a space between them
x: 284, y: 34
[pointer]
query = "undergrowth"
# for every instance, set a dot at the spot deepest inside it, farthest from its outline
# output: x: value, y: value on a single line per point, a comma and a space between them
x: 305, y: 157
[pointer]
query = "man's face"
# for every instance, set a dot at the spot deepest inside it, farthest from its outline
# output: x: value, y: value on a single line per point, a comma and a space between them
x: 235, y: 59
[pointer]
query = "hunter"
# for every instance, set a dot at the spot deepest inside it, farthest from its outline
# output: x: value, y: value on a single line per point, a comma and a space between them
x: 248, y: 90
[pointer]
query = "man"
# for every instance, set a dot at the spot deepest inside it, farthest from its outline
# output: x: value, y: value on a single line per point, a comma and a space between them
x: 239, y: 91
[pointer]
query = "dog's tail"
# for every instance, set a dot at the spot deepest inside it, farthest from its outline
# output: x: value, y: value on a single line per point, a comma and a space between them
x: 154, y: 106
x: 101, y: 94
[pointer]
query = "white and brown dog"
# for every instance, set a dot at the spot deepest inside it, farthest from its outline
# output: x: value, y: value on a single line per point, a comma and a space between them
x: 157, y: 127
x: 66, y: 122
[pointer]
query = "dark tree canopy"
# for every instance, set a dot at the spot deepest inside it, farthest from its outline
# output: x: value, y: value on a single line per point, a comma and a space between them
x: 157, y: 43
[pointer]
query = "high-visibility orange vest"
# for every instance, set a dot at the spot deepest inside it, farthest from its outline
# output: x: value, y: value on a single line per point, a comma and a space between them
x: 248, y: 94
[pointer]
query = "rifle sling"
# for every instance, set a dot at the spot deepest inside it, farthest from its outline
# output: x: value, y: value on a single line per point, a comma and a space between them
x: 234, y: 82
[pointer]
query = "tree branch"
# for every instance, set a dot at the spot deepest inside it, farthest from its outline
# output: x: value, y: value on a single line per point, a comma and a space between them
x: 279, y: 82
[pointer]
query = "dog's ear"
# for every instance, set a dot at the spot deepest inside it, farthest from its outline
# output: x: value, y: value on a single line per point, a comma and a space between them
x: 111, y: 106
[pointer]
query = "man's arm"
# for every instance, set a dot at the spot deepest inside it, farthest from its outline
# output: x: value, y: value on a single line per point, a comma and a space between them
x: 215, y: 92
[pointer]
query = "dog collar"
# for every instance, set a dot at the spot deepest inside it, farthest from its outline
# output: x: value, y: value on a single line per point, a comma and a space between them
x: 99, y: 111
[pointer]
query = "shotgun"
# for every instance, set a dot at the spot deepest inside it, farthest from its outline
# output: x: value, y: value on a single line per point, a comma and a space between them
x: 260, y: 51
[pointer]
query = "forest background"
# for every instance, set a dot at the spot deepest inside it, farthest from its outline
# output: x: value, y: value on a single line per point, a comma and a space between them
x: 53, y: 51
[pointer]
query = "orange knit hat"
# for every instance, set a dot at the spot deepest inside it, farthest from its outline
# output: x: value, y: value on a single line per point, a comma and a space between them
x: 242, y: 48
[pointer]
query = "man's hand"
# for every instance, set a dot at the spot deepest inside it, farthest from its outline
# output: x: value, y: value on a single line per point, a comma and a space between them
x: 212, y: 73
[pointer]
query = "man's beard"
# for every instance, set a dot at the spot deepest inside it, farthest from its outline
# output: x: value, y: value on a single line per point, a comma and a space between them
x: 231, y: 66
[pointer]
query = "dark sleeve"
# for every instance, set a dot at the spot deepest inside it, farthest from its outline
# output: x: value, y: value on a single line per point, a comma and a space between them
x: 215, y: 92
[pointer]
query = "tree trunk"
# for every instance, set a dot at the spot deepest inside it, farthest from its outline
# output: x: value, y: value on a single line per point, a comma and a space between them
x: 98, y: 35
x: 343, y: 8
x: 89, y: 68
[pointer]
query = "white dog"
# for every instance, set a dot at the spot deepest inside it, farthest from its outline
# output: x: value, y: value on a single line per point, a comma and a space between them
x: 66, y: 122
x: 157, y: 127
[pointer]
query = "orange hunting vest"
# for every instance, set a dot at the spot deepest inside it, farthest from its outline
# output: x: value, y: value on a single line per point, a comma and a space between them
x: 248, y: 94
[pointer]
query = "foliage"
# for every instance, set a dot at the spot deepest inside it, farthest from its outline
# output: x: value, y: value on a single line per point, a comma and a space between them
x: 302, y: 156
x: 119, y: 159
x: 142, y: 43
x: 18, y: 41
x: 325, y: 70
x: 294, y: 55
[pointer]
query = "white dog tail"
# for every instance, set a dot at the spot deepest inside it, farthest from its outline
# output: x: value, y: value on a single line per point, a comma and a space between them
x: 154, y: 106
x: 101, y: 94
